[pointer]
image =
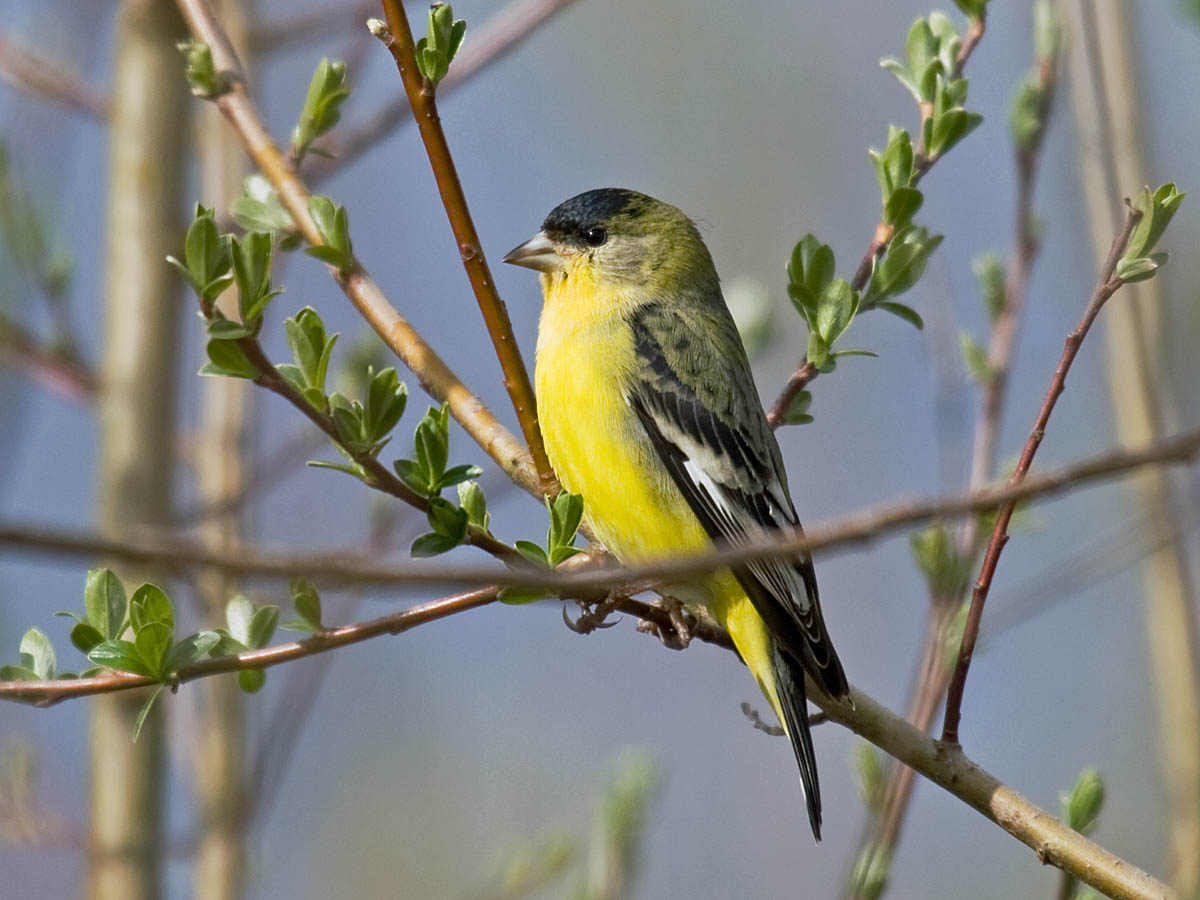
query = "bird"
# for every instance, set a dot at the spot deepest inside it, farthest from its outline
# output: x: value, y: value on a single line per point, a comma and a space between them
x: 648, y: 409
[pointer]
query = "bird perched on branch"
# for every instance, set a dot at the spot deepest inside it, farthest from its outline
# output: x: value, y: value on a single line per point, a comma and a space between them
x: 648, y: 409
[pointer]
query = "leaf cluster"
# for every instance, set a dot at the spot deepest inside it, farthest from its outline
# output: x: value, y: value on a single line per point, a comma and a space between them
x: 437, y: 49
x: 565, y: 513
x: 1139, y: 262
x: 322, y: 108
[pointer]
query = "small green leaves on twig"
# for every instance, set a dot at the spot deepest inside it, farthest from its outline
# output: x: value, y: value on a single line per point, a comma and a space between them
x: 993, y: 282
x: 872, y: 869
x: 436, y: 50
x: 427, y: 475
x: 207, y: 260
x: 335, y: 247
x: 566, y: 513
x: 868, y: 765
x: 37, y: 660
x: 202, y: 76
x: 248, y: 627
x: 975, y: 358
x: 307, y: 603
x: 1157, y: 209
x: 312, y: 349
x: 1031, y: 102
x: 322, y: 106
x: 827, y: 304
x: 365, y: 427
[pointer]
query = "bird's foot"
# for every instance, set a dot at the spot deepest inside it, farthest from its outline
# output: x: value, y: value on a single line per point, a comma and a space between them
x: 591, y: 616
x: 676, y: 636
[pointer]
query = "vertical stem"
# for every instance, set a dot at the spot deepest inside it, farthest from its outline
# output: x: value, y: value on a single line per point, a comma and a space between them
x: 219, y: 760
x: 137, y: 415
x: 1104, y: 88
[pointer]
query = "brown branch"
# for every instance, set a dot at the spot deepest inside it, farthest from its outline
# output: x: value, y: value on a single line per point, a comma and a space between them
x: 491, y: 42
x: 26, y: 71
x: 805, y: 372
x: 596, y: 577
x: 422, y: 99
x: 56, y: 369
x: 434, y: 375
x: 1105, y: 288
x: 1052, y: 841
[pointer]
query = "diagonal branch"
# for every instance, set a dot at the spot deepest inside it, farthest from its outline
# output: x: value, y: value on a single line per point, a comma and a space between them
x: 1105, y: 288
x: 422, y: 99
x: 434, y: 375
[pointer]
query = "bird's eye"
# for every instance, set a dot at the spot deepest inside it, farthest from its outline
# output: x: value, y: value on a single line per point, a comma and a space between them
x: 596, y: 235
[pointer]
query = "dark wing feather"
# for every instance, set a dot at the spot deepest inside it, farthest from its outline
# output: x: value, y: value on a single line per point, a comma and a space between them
x: 710, y: 432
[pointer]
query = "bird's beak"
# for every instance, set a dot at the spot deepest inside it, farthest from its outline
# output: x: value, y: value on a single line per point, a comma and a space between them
x: 536, y: 253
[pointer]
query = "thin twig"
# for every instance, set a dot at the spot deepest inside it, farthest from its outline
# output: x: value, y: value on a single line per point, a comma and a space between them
x: 491, y: 42
x: 922, y: 163
x: 435, y: 376
x: 27, y: 71
x: 422, y: 99
x: 594, y: 577
x: 1105, y: 288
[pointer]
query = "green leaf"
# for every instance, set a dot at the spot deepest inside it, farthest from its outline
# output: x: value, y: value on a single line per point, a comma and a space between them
x: 239, y: 612
x: 533, y: 554
x: 352, y: 469
x: 447, y: 520
x: 252, y: 680
x: 811, y: 267
x: 432, y: 545
x: 837, y: 308
x: 1140, y: 269
x: 37, y: 654
x: 459, y: 474
x: 902, y: 74
x: 121, y: 656
x: 907, y: 313
x: 307, y: 603
x: 566, y: 514
x: 152, y: 642
x: 1082, y: 805
x: 262, y: 626
x: 920, y: 47
x: 818, y: 350
x: 144, y: 712
x: 322, y: 105
x: 206, y: 252
x: 260, y: 209
x: 191, y: 649
x: 18, y: 673
x: 84, y: 636
x: 387, y: 397
x: 515, y: 596
x: 104, y: 600
x: 473, y: 502
x: 902, y: 205
x: 228, y: 330
x: 150, y: 604
x: 951, y: 127
x: 228, y: 358
x: 972, y: 8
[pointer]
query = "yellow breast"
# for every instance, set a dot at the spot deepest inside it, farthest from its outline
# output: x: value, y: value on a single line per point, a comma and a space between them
x: 585, y: 359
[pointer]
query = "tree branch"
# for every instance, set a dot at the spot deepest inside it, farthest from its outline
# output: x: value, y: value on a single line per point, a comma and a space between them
x: 1105, y: 288
x: 55, y: 369
x: 422, y: 99
x: 596, y: 577
x: 434, y: 375
x: 26, y: 71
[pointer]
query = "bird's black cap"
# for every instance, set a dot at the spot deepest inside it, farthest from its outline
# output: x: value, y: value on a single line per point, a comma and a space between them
x: 591, y: 208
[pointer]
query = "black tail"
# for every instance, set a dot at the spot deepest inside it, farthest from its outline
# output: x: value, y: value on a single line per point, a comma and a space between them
x: 789, y: 684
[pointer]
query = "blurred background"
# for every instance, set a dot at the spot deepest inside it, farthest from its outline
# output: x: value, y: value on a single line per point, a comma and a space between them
x: 417, y: 765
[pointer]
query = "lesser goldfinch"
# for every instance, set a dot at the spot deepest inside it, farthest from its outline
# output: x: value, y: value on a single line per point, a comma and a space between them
x: 648, y: 409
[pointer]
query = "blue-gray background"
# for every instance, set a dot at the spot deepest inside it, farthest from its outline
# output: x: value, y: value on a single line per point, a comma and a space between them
x: 426, y: 757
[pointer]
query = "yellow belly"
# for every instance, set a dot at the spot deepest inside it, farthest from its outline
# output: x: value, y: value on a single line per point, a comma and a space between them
x: 599, y: 449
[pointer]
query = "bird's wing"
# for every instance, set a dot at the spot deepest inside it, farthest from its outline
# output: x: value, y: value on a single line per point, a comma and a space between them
x: 694, y: 394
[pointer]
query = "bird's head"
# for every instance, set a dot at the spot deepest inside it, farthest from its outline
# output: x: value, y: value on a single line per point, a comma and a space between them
x: 617, y: 239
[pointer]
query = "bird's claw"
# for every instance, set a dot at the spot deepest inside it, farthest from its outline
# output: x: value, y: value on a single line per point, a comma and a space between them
x: 589, y: 619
